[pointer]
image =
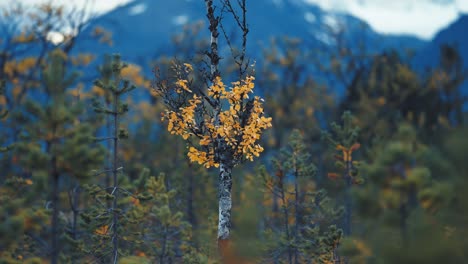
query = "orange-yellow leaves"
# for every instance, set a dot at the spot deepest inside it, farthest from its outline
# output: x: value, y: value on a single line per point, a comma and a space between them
x: 217, y: 89
x: 188, y: 67
x: 381, y: 101
x: 133, y: 73
x: 24, y: 38
x: 236, y: 94
x: 347, y: 152
x: 252, y: 131
x: 103, y: 35
x: 21, y: 66
x: 103, y: 230
x: 205, y: 141
x: 333, y: 175
x: 196, y: 156
x: 182, y: 84
x: 181, y: 122
x: 242, y: 89
x: 238, y: 123
x: 354, y: 147
x: 82, y: 59
x: 98, y: 91
x: 202, y: 157
x: 346, y: 162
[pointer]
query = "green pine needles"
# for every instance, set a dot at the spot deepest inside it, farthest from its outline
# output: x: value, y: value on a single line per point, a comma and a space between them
x: 108, y: 221
x: 56, y: 144
x: 304, y: 212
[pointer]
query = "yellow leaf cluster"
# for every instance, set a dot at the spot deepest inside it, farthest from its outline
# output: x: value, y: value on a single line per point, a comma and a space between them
x: 22, y: 66
x: 236, y: 94
x: 202, y: 157
x: 239, y: 126
x: 103, y: 230
x: 188, y: 67
x: 180, y: 122
x: 98, y: 91
x: 348, y: 152
x: 24, y: 38
x: 135, y: 201
x: 133, y: 73
x: 82, y: 59
x: 182, y: 85
x: 251, y: 133
x: 103, y: 35
x: 217, y: 89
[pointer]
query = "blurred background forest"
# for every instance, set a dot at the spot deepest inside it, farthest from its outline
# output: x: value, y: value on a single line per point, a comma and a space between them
x: 364, y: 162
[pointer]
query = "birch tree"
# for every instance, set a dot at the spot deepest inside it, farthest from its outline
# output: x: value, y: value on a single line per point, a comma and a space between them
x: 221, y: 123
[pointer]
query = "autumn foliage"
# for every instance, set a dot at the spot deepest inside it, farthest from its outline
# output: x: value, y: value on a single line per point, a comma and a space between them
x: 386, y: 183
x: 239, y: 124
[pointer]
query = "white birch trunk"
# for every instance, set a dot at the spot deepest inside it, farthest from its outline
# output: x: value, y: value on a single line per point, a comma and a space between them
x: 225, y: 201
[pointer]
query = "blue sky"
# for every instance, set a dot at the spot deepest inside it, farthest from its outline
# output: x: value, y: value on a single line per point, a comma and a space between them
x: 422, y: 18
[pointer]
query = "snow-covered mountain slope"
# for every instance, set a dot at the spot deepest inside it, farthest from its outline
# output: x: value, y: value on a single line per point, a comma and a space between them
x: 143, y: 28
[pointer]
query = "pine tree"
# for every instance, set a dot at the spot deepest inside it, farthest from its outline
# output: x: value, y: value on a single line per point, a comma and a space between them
x: 55, y: 141
x: 16, y: 218
x: 453, y: 217
x: 305, y: 231
x: 164, y: 235
x: 389, y: 91
x: 3, y: 113
x: 26, y: 45
x: 111, y: 219
x: 404, y: 199
x: 343, y: 138
x: 344, y: 141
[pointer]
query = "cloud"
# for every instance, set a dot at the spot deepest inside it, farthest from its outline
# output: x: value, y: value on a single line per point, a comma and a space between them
x: 462, y: 5
x: 422, y: 18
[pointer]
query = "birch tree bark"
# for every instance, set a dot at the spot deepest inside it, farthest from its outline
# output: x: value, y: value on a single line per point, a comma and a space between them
x: 225, y: 201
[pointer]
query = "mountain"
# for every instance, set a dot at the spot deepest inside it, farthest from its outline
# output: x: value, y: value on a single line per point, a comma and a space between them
x: 454, y: 34
x: 143, y: 28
